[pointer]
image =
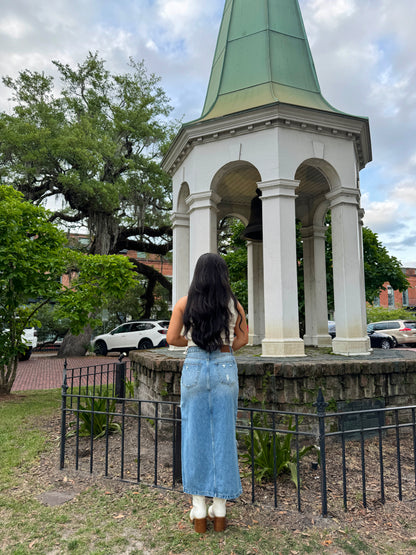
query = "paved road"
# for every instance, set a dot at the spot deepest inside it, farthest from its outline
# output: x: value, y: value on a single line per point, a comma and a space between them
x: 45, y: 371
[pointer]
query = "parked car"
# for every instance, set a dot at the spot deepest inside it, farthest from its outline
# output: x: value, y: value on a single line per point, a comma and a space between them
x: 402, y: 331
x: 378, y: 340
x: 331, y: 328
x: 144, y: 334
x: 29, y: 340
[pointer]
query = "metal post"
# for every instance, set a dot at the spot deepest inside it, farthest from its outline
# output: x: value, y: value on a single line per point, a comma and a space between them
x: 63, y: 416
x: 120, y: 372
x: 321, y: 406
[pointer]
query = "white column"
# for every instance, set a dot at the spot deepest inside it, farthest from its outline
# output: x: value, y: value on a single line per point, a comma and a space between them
x: 180, y: 262
x: 203, y: 225
x: 255, y: 292
x: 362, y: 276
x: 351, y: 338
x: 316, y: 303
x: 280, y: 270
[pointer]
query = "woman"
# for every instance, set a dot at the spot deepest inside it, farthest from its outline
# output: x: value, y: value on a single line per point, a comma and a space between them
x: 212, y: 324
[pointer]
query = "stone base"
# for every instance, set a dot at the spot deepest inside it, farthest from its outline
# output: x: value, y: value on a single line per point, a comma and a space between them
x: 254, y: 339
x: 282, y: 348
x: 179, y: 349
x: 324, y: 340
x: 351, y: 347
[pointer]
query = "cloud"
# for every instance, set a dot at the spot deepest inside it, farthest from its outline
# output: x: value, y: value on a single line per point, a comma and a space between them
x: 179, y: 16
x: 332, y: 13
x: 382, y: 217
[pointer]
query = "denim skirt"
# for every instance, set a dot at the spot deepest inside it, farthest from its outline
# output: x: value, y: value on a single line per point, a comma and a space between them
x: 209, y: 400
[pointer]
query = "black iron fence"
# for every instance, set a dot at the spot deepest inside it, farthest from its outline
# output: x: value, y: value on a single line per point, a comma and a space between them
x: 315, y: 461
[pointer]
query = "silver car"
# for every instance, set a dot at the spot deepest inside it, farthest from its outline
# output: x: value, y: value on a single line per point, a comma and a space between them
x: 401, y: 331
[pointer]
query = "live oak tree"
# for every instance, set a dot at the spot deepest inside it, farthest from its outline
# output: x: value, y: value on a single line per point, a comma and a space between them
x: 32, y: 261
x: 95, y: 145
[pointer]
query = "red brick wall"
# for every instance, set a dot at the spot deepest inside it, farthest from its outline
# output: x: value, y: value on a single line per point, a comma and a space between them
x: 398, y: 297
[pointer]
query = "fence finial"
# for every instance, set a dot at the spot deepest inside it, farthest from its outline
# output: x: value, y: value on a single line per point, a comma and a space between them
x: 320, y: 403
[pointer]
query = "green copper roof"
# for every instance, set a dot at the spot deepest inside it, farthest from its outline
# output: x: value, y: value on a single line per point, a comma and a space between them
x: 262, y: 57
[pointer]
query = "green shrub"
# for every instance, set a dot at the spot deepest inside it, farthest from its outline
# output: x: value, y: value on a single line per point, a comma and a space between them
x: 97, y: 418
x: 380, y: 313
x: 264, y: 449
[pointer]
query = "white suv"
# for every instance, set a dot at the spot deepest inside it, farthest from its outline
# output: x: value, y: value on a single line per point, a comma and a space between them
x: 30, y: 339
x: 145, y: 334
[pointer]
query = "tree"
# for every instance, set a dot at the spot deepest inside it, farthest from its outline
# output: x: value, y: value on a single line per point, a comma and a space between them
x: 234, y: 250
x: 380, y: 267
x: 51, y: 326
x: 99, y: 279
x: 32, y: 261
x: 96, y: 144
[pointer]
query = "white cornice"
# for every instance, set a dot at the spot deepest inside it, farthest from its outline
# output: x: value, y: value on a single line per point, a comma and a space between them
x: 342, y: 126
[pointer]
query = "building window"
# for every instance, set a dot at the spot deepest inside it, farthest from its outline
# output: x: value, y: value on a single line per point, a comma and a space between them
x: 390, y: 296
x: 405, y: 295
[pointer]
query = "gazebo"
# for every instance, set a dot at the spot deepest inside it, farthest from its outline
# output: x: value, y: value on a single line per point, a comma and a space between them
x: 265, y: 125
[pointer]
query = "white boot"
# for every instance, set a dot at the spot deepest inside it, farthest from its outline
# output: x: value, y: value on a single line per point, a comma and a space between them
x: 217, y: 513
x: 199, y: 509
x: 217, y: 508
x: 198, y: 514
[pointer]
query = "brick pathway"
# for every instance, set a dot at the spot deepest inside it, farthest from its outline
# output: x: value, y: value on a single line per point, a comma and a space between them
x: 46, y: 371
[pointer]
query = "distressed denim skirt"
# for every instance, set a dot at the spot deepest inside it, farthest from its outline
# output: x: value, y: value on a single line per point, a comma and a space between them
x: 209, y: 400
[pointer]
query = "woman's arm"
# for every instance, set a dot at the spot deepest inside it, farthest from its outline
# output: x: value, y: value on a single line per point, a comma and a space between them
x: 173, y: 336
x: 240, y: 330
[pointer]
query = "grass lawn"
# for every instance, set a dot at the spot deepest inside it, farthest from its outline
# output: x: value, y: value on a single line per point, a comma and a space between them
x: 110, y: 517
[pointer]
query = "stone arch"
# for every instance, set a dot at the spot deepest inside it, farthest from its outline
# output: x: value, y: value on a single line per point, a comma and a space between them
x: 181, y: 199
x: 316, y: 179
x: 329, y: 173
x: 235, y: 183
x: 181, y: 242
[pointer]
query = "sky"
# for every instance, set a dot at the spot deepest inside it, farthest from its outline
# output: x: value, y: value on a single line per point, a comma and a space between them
x: 364, y: 54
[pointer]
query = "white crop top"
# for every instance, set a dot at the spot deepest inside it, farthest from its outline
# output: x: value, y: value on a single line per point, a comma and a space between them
x: 232, y: 323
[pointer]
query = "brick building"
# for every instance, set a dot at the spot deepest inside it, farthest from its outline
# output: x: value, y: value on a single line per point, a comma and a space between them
x: 394, y: 299
x: 159, y: 262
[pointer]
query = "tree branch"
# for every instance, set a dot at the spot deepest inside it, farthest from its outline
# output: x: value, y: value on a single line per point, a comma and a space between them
x: 66, y: 217
x: 142, y: 246
x: 145, y: 230
x: 150, y: 273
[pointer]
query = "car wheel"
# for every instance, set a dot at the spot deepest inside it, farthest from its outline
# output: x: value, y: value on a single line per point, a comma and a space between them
x: 394, y: 341
x: 100, y: 348
x: 385, y: 344
x: 145, y: 344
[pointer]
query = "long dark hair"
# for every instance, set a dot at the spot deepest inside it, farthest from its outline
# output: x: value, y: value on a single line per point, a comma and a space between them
x: 207, y: 313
